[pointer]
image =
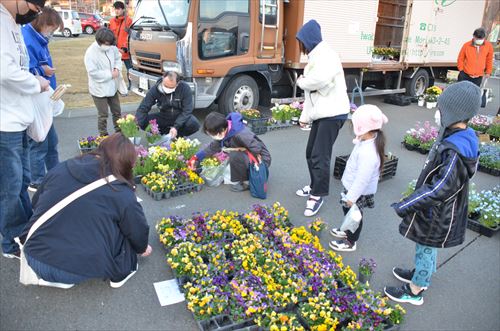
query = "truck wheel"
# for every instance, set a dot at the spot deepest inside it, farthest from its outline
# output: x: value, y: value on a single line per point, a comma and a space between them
x: 67, y: 33
x: 241, y: 93
x: 416, y: 86
x: 89, y: 29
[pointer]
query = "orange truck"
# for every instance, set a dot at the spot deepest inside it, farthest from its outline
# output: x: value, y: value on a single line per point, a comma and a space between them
x: 240, y: 54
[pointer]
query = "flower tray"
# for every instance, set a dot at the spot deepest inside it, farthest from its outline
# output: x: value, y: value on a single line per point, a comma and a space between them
x: 414, y: 148
x: 137, y: 179
x: 491, y: 171
x: 225, y: 323
x: 181, y: 189
x: 388, y: 171
x: 257, y: 125
x: 181, y: 281
x: 475, y: 226
x: 85, y: 150
x: 279, y: 126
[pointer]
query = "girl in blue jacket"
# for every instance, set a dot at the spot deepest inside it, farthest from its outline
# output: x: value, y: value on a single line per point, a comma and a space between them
x: 36, y: 36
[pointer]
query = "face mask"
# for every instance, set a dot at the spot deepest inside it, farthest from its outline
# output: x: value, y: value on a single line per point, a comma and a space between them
x: 437, y: 118
x: 48, y: 35
x: 479, y: 42
x: 168, y: 90
x: 105, y: 48
x: 218, y: 137
x: 25, y: 18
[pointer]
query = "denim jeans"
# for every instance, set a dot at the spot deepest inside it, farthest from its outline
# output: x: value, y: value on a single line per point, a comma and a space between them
x: 43, y: 155
x: 52, y: 274
x: 425, y: 265
x: 15, y: 204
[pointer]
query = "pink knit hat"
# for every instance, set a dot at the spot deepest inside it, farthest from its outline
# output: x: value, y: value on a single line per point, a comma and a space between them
x: 367, y: 118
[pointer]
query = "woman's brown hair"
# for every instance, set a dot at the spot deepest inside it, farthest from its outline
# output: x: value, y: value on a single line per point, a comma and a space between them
x: 117, y: 155
x: 380, y: 146
x: 48, y: 17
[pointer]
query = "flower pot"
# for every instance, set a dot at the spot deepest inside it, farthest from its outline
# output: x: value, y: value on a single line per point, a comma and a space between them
x: 431, y: 105
x: 421, y: 103
x: 364, y: 278
x: 295, y: 120
x: 135, y: 140
x: 317, y: 233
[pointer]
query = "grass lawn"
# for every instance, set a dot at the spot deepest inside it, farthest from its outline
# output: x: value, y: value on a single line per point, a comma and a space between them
x: 67, y: 55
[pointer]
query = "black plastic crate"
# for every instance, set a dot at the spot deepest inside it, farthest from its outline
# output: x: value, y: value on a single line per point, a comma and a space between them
x: 257, y: 125
x: 224, y: 323
x: 398, y: 99
x: 481, y: 229
x: 388, y: 171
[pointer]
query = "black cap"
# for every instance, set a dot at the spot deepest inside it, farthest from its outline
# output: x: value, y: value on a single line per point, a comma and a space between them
x: 39, y: 3
x: 119, y: 5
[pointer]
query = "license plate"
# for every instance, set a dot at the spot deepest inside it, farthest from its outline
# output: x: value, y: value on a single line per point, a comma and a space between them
x: 143, y: 83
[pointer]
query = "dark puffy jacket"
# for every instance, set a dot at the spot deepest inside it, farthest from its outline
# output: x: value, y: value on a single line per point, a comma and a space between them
x: 98, y: 235
x: 178, y: 106
x: 436, y: 213
x: 238, y: 136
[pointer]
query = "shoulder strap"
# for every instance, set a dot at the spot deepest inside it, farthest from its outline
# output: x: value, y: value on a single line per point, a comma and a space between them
x: 66, y: 201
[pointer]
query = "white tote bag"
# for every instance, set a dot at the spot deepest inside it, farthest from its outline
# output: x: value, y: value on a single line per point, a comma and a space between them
x: 121, y: 85
x: 26, y: 274
x: 351, y: 219
x: 44, y: 115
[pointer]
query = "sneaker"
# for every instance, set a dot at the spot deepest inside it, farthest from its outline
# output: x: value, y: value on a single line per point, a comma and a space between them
x: 42, y: 282
x: 304, y: 192
x: 313, y: 206
x: 404, y: 275
x: 123, y: 281
x: 15, y: 255
x: 306, y: 127
x: 403, y: 294
x: 342, y: 246
x: 239, y: 187
x: 337, y: 233
x: 33, y: 187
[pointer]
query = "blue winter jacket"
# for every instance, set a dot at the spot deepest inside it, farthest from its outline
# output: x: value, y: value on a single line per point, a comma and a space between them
x: 38, y: 49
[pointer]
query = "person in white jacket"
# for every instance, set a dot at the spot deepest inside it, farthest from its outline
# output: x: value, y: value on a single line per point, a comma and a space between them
x: 17, y: 86
x: 362, y: 171
x: 326, y: 106
x: 103, y: 63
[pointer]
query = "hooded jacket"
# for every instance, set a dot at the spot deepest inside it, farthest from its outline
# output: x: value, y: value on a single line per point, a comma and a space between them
x: 323, y: 80
x: 120, y: 26
x: 436, y: 213
x: 177, y: 106
x: 38, y: 49
x: 17, y: 84
x: 100, y: 65
x: 98, y: 235
x: 238, y: 136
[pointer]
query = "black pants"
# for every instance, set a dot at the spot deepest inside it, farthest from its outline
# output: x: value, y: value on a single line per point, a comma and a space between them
x: 164, y: 124
x: 238, y: 163
x: 102, y: 112
x: 322, y: 136
x: 353, y: 237
x: 463, y: 76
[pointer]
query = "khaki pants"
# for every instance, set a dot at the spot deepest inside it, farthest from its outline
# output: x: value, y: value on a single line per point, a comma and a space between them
x: 102, y: 112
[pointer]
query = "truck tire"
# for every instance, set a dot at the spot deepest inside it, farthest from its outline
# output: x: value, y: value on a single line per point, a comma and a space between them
x: 416, y: 86
x: 241, y: 93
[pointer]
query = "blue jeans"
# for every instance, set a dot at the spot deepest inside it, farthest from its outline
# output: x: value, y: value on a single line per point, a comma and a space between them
x: 15, y: 204
x: 425, y: 265
x: 52, y: 274
x: 43, y: 155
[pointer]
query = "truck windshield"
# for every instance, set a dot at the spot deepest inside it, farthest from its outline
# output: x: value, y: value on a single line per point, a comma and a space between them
x: 149, y: 13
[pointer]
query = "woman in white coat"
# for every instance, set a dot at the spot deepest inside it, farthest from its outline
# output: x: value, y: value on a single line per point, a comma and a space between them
x: 103, y: 63
x: 326, y: 107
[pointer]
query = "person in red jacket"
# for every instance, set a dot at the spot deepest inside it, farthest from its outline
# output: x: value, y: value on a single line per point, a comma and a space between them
x: 120, y: 26
x: 475, y: 59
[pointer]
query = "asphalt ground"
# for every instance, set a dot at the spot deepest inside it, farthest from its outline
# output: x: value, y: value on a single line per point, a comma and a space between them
x: 464, y: 294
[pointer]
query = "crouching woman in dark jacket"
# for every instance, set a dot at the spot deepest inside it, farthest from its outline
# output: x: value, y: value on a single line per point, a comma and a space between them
x: 100, y: 234
x: 230, y: 132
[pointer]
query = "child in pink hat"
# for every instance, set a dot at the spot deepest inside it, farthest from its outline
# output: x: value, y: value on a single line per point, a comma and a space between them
x: 362, y: 171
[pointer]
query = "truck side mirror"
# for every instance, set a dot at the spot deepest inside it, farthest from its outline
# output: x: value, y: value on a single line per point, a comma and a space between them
x: 244, y: 42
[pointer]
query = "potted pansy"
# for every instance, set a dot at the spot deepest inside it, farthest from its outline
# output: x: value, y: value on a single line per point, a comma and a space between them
x: 317, y: 226
x: 90, y: 143
x: 296, y: 112
x: 128, y: 126
x: 480, y: 123
x: 366, y: 269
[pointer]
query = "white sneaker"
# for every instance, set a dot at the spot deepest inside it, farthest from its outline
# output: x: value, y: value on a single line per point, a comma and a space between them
x: 313, y: 206
x: 338, y: 234
x: 120, y: 283
x: 342, y: 246
x: 64, y: 286
x: 304, y: 192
